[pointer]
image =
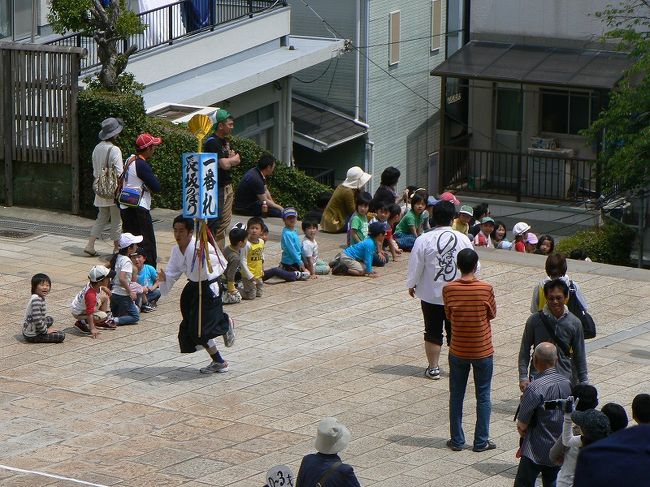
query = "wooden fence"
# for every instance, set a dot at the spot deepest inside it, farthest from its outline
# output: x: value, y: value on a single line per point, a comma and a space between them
x: 38, y: 109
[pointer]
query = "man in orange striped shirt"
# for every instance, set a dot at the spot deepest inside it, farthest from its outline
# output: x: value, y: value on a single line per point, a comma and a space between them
x: 470, y: 305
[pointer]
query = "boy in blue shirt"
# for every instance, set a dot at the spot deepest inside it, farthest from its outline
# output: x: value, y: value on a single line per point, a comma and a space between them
x: 148, y: 279
x: 290, y: 242
x: 356, y: 260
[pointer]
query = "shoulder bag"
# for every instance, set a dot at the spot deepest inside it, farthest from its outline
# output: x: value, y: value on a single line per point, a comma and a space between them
x: 129, y: 197
x: 328, y: 473
x: 576, y: 308
x: 556, y: 340
x: 105, y: 184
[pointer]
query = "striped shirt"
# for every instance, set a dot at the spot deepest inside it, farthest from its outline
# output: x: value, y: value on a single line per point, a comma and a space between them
x: 470, y: 305
x: 36, y: 322
x: 547, y: 425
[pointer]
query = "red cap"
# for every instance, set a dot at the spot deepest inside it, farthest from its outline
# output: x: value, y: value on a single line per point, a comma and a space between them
x: 146, y: 140
x: 447, y: 196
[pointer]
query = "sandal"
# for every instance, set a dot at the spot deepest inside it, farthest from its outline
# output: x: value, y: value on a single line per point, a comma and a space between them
x: 91, y: 253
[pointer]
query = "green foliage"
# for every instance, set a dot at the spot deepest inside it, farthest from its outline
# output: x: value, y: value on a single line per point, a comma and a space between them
x: 88, y: 16
x: 609, y: 244
x: 69, y: 15
x: 288, y: 186
x: 624, y: 126
x: 126, y: 83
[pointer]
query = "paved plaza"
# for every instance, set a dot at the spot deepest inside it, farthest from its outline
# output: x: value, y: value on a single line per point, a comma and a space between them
x: 128, y: 409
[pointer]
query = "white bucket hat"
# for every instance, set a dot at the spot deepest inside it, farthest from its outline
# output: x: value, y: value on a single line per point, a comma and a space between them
x: 519, y: 228
x: 356, y: 178
x: 332, y: 436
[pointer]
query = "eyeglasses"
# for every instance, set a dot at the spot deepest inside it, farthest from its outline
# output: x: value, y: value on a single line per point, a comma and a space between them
x: 555, y: 298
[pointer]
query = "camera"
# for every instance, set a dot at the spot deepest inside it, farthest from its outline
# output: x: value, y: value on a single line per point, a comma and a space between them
x: 564, y: 405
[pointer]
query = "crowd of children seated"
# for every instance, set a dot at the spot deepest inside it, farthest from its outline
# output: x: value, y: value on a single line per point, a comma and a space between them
x: 116, y: 295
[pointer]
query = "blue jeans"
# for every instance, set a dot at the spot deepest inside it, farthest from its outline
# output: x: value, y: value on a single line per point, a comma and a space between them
x: 153, y: 296
x: 458, y: 375
x: 124, y: 309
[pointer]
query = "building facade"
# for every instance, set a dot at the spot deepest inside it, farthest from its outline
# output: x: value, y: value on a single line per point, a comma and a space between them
x: 380, y: 91
x: 518, y: 95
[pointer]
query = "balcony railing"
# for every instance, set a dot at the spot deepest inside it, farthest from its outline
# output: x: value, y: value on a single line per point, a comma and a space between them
x: 519, y: 175
x: 167, y: 24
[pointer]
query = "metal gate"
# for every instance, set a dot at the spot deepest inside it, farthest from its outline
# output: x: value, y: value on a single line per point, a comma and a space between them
x: 38, y: 109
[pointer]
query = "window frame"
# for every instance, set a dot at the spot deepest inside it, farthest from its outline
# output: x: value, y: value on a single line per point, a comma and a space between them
x: 436, y: 25
x: 394, y: 45
x: 589, y: 94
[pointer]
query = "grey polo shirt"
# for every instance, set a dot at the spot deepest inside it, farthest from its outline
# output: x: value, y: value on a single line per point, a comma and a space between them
x: 568, y: 329
x: 547, y: 426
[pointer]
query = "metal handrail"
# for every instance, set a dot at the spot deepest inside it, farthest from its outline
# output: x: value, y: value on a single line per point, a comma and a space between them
x: 518, y: 174
x: 167, y: 24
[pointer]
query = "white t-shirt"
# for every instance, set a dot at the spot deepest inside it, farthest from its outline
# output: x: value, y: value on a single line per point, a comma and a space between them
x: 122, y: 264
x: 310, y: 249
x: 78, y: 305
x: 133, y: 181
x: 99, y: 162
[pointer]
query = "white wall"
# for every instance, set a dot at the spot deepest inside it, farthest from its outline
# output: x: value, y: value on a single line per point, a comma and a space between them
x: 565, y: 19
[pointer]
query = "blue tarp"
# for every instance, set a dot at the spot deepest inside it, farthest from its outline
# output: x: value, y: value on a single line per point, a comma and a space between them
x: 196, y: 14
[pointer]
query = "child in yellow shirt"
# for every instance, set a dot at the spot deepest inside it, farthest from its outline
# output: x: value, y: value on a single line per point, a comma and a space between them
x: 252, y: 260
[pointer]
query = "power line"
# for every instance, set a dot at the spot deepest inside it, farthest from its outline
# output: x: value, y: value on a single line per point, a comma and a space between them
x: 319, y: 76
x: 446, y: 34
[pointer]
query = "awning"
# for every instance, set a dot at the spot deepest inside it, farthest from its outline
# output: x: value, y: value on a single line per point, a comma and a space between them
x: 551, y: 66
x: 226, y: 81
x: 320, y: 128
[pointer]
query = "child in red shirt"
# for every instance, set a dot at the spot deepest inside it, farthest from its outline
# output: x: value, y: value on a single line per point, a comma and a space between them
x: 91, y: 305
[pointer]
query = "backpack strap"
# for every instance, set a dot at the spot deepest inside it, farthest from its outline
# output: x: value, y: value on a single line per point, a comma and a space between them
x: 551, y: 332
x: 108, y: 154
x: 328, y: 473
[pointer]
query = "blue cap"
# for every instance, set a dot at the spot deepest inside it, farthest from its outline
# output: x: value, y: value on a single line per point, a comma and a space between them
x: 376, y: 228
x: 431, y: 201
x: 287, y: 212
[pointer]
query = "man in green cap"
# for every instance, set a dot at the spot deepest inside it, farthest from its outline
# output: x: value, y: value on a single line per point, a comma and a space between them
x: 219, y: 144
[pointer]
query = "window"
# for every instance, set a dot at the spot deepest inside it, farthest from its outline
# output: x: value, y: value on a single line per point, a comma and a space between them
x: 394, y: 37
x: 566, y: 112
x: 257, y: 125
x: 436, y: 24
x: 509, y: 110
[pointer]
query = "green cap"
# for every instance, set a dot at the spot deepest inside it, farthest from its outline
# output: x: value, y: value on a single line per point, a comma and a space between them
x: 222, y: 115
x: 487, y: 219
x: 468, y: 210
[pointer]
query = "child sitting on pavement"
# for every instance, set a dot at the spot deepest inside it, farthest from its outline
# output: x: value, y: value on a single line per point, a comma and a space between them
x: 382, y: 214
x: 238, y: 238
x: 313, y: 264
x: 358, y: 226
x: 410, y: 226
x: 291, y: 247
x: 356, y: 260
x: 147, y: 278
x: 252, y: 260
x: 519, y: 236
x: 123, y: 296
x: 461, y: 223
x: 91, y: 305
x: 483, y: 237
x: 279, y: 272
x: 37, y: 327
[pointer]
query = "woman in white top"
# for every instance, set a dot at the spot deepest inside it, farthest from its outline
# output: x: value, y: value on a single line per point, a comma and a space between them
x: 106, y: 154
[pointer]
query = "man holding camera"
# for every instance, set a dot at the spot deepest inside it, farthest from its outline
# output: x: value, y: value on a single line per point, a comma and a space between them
x: 538, y: 423
x: 557, y: 325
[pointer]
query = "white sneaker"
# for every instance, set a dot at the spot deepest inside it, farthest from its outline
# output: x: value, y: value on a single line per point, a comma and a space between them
x: 304, y: 276
x: 215, y: 367
x: 231, y: 298
x: 229, y: 337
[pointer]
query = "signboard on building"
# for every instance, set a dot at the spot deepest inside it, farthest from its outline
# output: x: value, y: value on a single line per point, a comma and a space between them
x: 200, y: 185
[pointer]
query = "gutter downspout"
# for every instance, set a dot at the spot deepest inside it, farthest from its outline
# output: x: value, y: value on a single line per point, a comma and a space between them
x: 370, y: 145
x: 357, y: 69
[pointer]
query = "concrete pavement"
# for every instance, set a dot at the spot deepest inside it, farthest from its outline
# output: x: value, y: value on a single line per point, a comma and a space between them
x: 127, y: 409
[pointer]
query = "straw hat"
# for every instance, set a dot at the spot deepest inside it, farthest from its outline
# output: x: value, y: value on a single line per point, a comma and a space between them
x: 356, y: 178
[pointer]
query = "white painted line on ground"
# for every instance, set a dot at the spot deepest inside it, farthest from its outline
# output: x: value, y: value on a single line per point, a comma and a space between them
x: 43, y: 474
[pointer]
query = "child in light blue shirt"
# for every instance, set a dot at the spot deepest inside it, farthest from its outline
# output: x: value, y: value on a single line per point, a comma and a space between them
x: 290, y: 243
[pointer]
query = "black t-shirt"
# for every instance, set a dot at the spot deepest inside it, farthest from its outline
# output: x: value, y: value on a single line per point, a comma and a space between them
x: 251, y: 184
x: 221, y: 147
x: 384, y: 194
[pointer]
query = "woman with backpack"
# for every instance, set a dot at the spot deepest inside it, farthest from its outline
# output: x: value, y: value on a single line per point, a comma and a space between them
x: 107, y: 168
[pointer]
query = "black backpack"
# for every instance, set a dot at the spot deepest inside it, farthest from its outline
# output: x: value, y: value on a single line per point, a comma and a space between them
x: 576, y: 308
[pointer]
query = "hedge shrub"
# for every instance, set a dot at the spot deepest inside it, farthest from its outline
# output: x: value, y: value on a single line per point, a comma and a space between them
x: 289, y: 186
x: 609, y: 244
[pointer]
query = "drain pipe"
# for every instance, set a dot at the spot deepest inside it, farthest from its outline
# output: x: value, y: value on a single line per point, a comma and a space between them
x: 357, y: 69
x: 370, y: 163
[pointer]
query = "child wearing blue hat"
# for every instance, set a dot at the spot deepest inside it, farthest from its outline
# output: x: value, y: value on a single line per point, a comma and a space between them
x: 290, y: 242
